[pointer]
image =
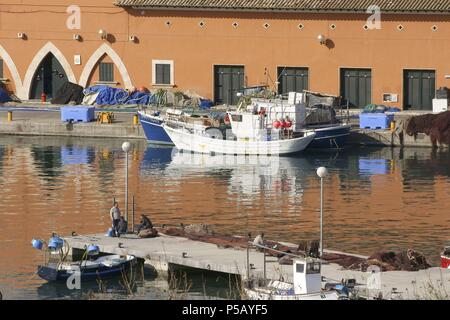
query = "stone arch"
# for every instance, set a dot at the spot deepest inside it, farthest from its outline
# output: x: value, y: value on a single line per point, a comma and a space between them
x: 105, y: 49
x: 12, y: 69
x: 48, y: 48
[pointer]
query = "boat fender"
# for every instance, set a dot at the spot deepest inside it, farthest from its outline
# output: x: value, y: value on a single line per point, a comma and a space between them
x: 276, y: 124
x: 93, y: 250
x: 37, y: 244
x: 55, y: 243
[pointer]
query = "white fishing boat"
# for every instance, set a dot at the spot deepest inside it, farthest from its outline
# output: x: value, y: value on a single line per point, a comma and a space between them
x: 307, y: 285
x: 250, y: 134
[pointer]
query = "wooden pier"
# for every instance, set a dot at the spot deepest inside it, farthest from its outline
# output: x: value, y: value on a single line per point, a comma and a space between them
x: 163, y: 251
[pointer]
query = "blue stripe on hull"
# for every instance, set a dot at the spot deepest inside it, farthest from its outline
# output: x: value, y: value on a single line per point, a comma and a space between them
x: 332, y: 138
x: 153, y: 130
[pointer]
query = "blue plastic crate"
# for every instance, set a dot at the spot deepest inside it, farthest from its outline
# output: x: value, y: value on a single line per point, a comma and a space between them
x: 375, y: 120
x: 77, y: 114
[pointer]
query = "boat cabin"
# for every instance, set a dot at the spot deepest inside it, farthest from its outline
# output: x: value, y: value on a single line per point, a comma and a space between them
x: 307, y: 276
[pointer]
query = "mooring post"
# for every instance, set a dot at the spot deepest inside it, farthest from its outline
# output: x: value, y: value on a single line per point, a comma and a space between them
x: 132, y: 213
x: 264, y: 252
x: 248, y: 256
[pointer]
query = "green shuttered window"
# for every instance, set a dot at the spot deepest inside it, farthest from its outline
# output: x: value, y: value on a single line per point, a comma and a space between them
x: 106, y: 72
x: 163, y: 73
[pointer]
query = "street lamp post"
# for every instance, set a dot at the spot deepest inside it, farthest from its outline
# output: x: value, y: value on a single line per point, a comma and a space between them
x: 322, y: 173
x: 126, y: 146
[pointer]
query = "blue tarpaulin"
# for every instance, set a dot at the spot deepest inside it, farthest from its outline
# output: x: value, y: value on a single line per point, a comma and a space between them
x: 4, y: 96
x: 111, y: 96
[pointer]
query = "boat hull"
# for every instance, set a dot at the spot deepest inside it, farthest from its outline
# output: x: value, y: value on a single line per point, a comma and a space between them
x: 331, y: 137
x: 261, y: 295
x: 51, y: 273
x: 153, y: 129
x: 203, y: 144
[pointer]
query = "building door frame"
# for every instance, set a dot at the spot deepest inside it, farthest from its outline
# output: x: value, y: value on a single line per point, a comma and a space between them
x: 407, y: 104
x: 284, y: 67
x: 360, y: 96
x: 231, y: 96
x: 48, y: 78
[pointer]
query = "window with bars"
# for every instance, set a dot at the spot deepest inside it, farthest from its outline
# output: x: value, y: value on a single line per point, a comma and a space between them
x: 106, y: 70
x: 162, y: 73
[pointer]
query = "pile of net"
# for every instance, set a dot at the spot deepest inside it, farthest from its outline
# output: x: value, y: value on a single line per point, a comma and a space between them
x: 436, y: 126
x: 409, y: 260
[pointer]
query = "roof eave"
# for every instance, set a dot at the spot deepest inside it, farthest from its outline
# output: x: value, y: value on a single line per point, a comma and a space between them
x: 356, y: 11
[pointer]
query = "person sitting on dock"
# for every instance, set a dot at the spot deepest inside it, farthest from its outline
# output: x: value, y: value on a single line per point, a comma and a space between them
x: 145, y: 228
x: 144, y: 224
x: 122, y: 226
x: 259, y: 241
x: 114, y: 214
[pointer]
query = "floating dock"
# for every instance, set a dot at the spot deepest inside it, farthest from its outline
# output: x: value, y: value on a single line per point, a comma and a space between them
x: 163, y: 251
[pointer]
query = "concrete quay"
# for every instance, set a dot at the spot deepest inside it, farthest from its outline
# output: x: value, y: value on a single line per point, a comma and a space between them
x: 162, y: 252
x: 45, y: 121
x: 48, y: 123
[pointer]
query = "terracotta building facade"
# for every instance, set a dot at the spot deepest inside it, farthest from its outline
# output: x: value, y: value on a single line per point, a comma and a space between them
x: 396, y: 53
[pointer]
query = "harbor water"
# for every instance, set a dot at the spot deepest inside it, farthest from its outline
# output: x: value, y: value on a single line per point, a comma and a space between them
x: 374, y: 199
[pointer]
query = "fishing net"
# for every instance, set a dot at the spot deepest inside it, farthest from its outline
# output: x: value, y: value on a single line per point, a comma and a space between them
x: 436, y: 126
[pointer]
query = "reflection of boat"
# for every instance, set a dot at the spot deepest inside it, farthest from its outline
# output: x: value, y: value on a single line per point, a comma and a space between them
x: 307, y: 285
x: 250, y: 135
x: 156, y: 157
x: 102, y: 267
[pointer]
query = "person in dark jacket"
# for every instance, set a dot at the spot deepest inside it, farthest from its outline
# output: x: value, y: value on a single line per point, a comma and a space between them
x: 123, y: 226
x: 145, y: 223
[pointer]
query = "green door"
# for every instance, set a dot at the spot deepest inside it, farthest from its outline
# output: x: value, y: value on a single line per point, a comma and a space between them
x: 292, y: 79
x: 228, y: 81
x: 48, y: 78
x: 419, y: 89
x: 356, y: 87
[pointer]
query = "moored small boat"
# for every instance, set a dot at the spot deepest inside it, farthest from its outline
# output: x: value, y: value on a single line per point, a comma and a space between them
x: 103, y: 267
x: 307, y: 285
x: 332, y: 136
x: 249, y: 135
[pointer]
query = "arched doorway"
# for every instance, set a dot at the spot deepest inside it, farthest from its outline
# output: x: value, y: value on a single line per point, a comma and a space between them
x: 48, y: 78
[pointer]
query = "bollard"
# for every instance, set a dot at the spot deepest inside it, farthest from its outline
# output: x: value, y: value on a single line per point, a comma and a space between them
x: 10, y: 116
x: 392, y: 125
x: 135, y: 120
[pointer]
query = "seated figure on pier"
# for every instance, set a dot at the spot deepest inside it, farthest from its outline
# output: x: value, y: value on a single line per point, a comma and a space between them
x: 122, y: 226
